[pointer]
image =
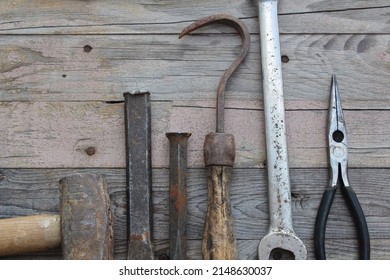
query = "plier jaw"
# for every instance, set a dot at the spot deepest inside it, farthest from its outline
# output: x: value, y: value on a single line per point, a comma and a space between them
x: 337, y: 139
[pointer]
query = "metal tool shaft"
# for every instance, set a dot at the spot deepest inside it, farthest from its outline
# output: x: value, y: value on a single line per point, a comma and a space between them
x: 244, y: 33
x: 275, y: 124
x: 178, y: 195
x: 139, y: 175
x: 281, y: 232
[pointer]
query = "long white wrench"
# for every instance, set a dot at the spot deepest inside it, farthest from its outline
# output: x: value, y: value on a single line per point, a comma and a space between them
x: 281, y: 241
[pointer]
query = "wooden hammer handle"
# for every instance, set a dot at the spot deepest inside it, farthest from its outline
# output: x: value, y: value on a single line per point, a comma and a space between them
x: 219, y: 242
x: 29, y: 234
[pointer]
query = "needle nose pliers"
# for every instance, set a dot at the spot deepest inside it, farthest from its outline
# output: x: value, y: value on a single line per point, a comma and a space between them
x: 338, y: 165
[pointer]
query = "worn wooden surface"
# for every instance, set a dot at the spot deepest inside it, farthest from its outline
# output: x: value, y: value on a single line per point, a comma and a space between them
x: 29, y: 234
x: 58, y: 98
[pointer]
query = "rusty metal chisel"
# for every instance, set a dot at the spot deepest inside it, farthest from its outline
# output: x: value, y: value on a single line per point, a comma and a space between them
x: 139, y: 175
x: 178, y: 195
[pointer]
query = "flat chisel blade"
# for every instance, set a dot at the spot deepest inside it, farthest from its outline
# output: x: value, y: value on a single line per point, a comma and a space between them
x: 139, y: 175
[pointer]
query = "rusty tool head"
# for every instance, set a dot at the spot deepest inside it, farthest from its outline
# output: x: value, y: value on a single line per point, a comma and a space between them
x: 241, y: 28
x: 86, y: 218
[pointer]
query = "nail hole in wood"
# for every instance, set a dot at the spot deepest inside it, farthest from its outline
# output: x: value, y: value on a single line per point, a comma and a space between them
x: 285, y: 59
x: 87, y: 48
x: 90, y: 151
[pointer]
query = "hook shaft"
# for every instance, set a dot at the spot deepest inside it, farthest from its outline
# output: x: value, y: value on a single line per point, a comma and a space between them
x: 244, y: 33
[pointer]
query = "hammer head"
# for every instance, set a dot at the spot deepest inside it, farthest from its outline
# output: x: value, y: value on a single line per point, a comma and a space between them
x: 86, y: 219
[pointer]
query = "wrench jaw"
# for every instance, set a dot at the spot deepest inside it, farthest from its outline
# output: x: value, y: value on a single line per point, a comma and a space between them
x: 278, y: 245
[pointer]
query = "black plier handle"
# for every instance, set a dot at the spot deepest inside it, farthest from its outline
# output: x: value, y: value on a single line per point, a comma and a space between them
x: 357, y: 214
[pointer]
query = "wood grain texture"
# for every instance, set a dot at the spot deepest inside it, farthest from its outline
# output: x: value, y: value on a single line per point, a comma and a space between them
x: 56, y: 68
x: 338, y: 249
x: 58, y: 135
x: 129, y: 17
x: 33, y: 191
x: 26, y: 235
x: 219, y: 241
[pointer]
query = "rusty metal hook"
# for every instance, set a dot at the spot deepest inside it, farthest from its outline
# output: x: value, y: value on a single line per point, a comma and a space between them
x: 242, y: 29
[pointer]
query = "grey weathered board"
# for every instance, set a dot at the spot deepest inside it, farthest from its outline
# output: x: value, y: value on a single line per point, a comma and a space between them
x: 28, y: 192
x: 56, y: 100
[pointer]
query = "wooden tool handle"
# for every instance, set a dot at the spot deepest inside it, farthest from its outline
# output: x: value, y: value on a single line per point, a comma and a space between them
x: 219, y: 242
x: 29, y: 234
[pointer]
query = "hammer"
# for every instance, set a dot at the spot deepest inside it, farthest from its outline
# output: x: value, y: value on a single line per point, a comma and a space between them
x: 84, y: 227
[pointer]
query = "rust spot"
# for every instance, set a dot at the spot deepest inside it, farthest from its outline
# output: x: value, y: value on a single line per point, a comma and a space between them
x: 179, y: 197
x: 139, y: 237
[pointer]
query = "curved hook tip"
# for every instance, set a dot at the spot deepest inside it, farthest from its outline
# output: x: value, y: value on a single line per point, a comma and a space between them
x: 219, y: 18
x: 245, y: 36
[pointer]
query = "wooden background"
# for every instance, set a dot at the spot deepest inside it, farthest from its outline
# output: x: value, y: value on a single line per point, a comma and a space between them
x: 57, y: 99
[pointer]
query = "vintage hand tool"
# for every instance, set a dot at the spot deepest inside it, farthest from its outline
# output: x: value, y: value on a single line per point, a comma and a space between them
x: 139, y: 176
x: 338, y: 163
x: 281, y: 241
x: 84, y: 227
x: 219, y: 241
x: 178, y: 195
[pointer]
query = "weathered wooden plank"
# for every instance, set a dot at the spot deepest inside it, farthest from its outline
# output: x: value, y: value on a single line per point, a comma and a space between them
x: 58, y: 135
x: 250, y: 203
x: 337, y: 249
x: 135, y: 46
x: 33, y: 191
x: 353, y: 21
x: 27, y: 192
x: 124, y: 17
x: 56, y: 68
